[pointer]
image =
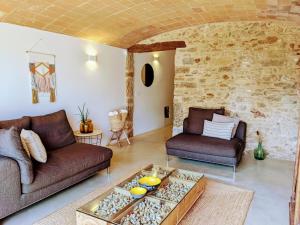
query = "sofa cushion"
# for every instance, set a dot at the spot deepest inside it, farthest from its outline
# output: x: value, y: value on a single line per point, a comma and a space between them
x: 205, y: 145
x: 218, y: 130
x: 11, y: 146
x: 226, y: 119
x: 197, y: 116
x: 205, y: 157
x: 53, y: 129
x: 33, y: 145
x: 67, y: 162
x: 22, y: 123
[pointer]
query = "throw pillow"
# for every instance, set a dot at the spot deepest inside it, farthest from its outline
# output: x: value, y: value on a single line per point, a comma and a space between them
x: 11, y: 146
x: 197, y: 116
x: 218, y: 130
x: 32, y: 142
x: 25, y: 146
x: 226, y: 119
x: 53, y: 129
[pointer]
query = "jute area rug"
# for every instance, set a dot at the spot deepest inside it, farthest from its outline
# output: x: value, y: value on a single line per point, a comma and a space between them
x: 220, y: 204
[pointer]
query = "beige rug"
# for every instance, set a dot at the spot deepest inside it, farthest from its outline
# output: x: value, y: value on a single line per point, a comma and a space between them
x: 220, y: 204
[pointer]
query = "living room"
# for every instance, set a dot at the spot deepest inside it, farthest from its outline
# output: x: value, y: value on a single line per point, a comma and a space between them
x: 95, y: 92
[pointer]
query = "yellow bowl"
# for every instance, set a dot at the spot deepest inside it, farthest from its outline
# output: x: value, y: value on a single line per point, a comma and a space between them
x: 150, y: 181
x: 138, y: 192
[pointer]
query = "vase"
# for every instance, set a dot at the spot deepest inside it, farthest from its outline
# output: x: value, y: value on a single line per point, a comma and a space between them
x: 259, y: 152
x: 90, y: 126
x: 86, y: 128
x: 81, y: 127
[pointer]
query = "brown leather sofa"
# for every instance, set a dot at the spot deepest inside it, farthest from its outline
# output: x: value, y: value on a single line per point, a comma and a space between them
x: 192, y: 145
x: 68, y: 163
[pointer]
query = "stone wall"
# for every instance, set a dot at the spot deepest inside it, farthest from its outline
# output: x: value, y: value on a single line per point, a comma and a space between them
x: 250, y: 68
x: 129, y: 82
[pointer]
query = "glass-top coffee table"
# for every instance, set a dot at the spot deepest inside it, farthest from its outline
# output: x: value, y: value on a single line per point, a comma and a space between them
x: 166, y: 205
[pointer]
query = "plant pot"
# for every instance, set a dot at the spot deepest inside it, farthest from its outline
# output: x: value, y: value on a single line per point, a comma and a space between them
x: 81, y: 127
x: 86, y: 128
x: 90, y: 126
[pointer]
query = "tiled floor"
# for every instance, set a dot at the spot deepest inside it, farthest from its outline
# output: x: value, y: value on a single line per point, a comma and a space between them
x: 270, y: 179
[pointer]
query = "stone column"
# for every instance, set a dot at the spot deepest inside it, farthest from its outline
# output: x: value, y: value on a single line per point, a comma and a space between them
x: 129, y: 79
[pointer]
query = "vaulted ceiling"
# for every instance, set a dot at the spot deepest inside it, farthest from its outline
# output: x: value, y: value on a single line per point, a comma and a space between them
x: 123, y: 23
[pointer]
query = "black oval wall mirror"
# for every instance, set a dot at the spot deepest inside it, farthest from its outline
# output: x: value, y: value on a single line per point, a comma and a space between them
x: 147, y: 75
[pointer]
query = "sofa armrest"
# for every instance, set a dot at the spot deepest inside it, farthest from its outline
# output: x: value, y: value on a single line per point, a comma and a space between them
x: 10, y: 187
x: 241, y: 131
x: 185, y: 125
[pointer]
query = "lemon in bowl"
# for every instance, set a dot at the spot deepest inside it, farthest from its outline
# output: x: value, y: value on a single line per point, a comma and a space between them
x: 149, y: 182
x: 138, y: 192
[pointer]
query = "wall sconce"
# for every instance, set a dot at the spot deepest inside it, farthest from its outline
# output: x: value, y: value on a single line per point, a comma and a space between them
x: 155, y: 57
x: 92, y: 62
x: 92, y: 58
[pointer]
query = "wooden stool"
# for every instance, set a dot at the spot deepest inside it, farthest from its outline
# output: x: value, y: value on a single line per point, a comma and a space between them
x: 118, y: 124
x: 116, y: 135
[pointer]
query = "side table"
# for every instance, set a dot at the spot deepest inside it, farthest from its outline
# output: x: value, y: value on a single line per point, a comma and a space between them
x: 94, y: 138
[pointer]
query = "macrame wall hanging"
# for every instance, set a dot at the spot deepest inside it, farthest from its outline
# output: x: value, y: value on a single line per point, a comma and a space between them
x: 42, y: 75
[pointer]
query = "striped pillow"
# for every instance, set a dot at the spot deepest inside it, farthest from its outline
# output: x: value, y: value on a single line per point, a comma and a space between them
x: 226, y: 119
x: 218, y: 130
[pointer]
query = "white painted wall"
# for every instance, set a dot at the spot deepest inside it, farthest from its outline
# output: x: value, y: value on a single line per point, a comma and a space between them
x: 149, y: 102
x: 102, y: 89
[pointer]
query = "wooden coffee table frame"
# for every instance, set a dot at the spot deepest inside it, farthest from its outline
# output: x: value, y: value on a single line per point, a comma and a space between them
x: 85, y: 214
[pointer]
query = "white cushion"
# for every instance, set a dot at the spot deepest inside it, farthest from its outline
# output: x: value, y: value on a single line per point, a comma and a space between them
x: 217, y: 130
x: 33, y: 145
x: 25, y: 147
x: 226, y: 119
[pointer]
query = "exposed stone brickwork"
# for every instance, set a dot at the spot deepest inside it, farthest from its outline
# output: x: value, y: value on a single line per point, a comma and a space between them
x: 250, y: 68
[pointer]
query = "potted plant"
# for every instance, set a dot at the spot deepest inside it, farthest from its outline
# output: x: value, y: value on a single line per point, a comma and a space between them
x: 86, y: 125
x: 259, y: 152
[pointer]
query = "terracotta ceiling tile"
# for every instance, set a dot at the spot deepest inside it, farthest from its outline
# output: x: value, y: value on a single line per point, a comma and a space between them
x: 6, y: 7
x: 124, y: 22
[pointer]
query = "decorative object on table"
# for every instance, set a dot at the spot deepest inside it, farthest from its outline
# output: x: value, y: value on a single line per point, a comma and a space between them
x: 259, y: 152
x: 111, y: 204
x: 86, y: 125
x: 90, y: 126
x: 42, y: 73
x: 117, y: 120
x: 93, y: 138
x: 149, y: 182
x: 174, y: 190
x: 138, y: 192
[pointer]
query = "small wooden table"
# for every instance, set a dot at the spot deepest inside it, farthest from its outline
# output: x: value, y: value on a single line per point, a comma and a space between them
x: 93, y: 138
